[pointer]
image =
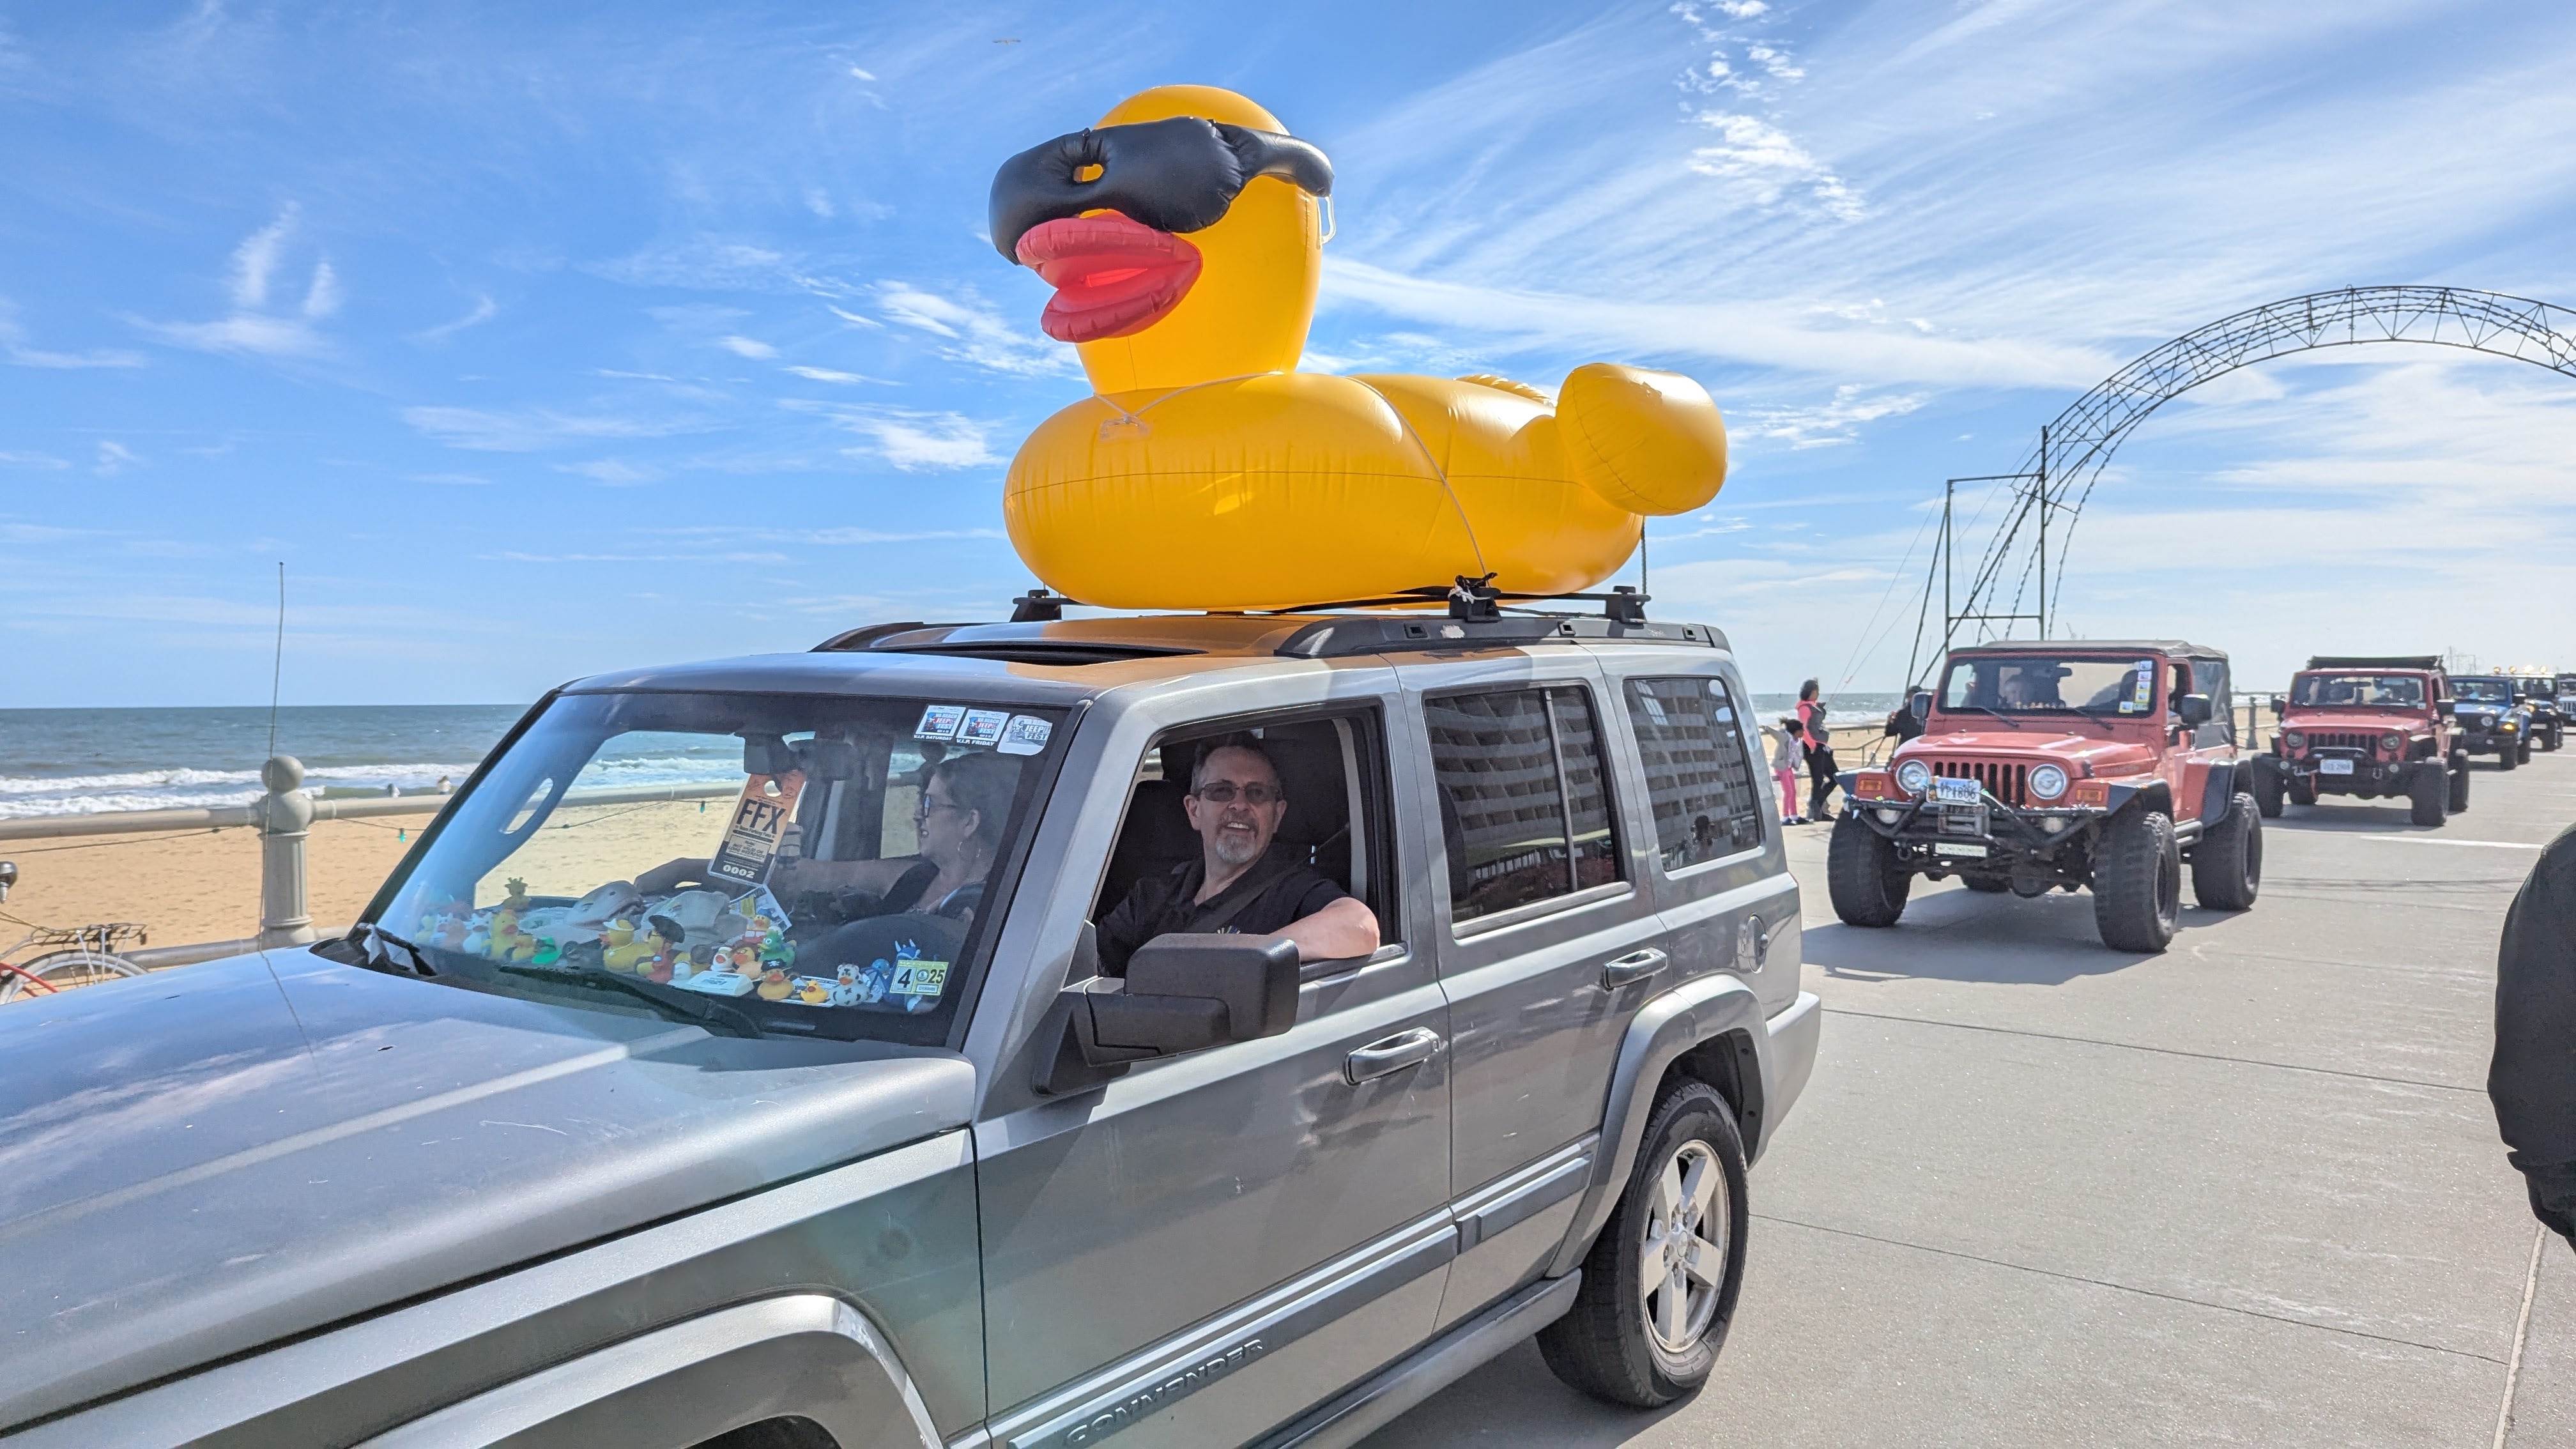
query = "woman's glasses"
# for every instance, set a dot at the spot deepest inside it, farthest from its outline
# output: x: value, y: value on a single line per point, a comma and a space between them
x: 928, y: 808
x: 1224, y: 792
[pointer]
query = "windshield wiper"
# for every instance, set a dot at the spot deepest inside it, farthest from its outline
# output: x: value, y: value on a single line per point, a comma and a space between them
x: 711, y: 1014
x: 1990, y: 709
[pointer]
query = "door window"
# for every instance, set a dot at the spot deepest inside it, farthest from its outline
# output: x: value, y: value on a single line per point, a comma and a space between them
x: 1524, y: 794
x: 2209, y: 677
x: 1697, y: 773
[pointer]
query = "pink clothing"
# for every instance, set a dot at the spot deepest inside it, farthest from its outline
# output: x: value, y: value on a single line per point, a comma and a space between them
x: 1788, y: 791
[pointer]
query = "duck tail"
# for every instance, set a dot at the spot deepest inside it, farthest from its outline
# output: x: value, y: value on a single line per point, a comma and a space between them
x: 1646, y: 441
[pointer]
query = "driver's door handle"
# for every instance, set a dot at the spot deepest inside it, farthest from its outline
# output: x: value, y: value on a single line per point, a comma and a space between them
x: 1637, y: 965
x: 1393, y: 1054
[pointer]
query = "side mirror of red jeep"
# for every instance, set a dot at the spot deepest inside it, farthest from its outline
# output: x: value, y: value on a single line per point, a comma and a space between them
x: 2194, y: 709
x: 2446, y: 707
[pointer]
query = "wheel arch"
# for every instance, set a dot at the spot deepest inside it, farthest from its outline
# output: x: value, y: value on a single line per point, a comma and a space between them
x: 1710, y: 1029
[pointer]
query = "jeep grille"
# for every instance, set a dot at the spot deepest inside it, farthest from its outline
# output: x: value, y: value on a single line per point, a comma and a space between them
x: 2008, y: 783
x: 2343, y: 740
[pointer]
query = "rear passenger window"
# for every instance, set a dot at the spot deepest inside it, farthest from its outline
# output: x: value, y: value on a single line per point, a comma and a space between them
x: 1525, y: 807
x: 1697, y: 774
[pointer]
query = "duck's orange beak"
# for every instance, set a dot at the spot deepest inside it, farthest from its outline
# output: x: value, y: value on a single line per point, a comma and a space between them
x: 1112, y: 277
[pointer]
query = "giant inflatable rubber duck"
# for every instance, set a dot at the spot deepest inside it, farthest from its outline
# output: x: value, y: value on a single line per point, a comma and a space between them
x: 1182, y: 236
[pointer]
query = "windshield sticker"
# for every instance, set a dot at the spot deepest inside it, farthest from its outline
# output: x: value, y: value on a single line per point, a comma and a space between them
x: 919, y: 978
x: 2145, y: 689
x: 1026, y: 734
x: 982, y: 726
x: 939, y: 722
x: 759, y: 823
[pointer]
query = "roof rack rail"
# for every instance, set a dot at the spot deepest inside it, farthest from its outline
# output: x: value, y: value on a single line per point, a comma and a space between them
x: 1475, y: 598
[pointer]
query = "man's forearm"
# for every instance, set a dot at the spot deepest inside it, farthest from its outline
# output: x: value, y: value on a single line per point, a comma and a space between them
x: 1343, y: 929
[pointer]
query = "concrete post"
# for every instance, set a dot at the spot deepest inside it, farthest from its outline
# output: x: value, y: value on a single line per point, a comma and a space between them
x: 285, y: 820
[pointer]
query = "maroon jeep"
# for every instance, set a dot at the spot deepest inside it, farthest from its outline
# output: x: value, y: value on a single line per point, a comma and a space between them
x: 2053, y: 766
x: 2368, y: 726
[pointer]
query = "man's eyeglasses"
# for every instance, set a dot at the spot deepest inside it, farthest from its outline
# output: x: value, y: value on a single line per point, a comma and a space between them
x: 1224, y: 792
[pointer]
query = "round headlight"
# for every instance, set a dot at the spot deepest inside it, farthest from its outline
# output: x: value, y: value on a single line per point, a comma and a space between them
x: 2047, y: 782
x: 2294, y: 739
x: 2392, y: 741
x: 1913, y: 777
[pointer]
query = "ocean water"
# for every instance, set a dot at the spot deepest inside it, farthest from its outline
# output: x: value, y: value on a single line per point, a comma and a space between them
x: 81, y: 761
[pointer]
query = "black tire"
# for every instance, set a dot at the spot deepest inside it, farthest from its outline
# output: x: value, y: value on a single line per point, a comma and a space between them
x: 2549, y: 740
x: 1610, y: 1344
x: 2301, y: 792
x: 2459, y: 774
x: 2522, y: 753
x: 2267, y: 790
x: 2428, y: 793
x: 1868, y: 887
x: 2506, y: 758
x: 2137, y: 883
x: 1985, y: 885
x: 2227, y: 867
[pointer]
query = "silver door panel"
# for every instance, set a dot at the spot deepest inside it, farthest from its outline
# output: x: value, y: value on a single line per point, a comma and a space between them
x: 1259, y: 1364
x: 1508, y: 1233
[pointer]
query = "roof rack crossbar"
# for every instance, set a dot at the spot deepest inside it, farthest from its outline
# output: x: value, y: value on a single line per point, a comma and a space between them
x: 1621, y: 605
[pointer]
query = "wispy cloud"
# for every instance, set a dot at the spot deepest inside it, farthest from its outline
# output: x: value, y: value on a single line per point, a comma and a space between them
x: 1763, y: 164
x: 114, y: 458
x: 910, y: 440
x: 721, y: 264
x: 493, y: 431
x: 973, y: 330
x: 611, y: 472
x: 33, y: 460
x: 1830, y: 423
x: 747, y: 347
x: 253, y: 329
x: 827, y: 374
x: 15, y: 348
x: 484, y: 310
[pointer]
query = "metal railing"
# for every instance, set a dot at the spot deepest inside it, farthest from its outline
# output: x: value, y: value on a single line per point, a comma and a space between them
x: 284, y: 819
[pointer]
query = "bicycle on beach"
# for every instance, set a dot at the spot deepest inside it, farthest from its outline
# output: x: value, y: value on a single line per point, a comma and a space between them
x: 65, y: 957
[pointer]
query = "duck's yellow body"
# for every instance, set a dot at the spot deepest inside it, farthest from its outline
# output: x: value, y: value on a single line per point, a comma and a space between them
x: 1207, y: 473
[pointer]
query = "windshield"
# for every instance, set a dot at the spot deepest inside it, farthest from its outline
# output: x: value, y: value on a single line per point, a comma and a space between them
x: 2489, y: 691
x: 791, y: 864
x: 2015, y: 684
x: 2386, y: 691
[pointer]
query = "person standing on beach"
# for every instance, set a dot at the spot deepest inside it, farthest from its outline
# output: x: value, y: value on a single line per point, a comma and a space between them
x: 1783, y: 741
x: 1820, y: 752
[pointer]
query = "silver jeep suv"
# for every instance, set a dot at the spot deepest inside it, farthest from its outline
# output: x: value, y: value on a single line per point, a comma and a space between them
x: 731, y: 1063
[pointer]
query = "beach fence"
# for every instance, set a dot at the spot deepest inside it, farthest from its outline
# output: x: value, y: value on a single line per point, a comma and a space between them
x: 284, y: 818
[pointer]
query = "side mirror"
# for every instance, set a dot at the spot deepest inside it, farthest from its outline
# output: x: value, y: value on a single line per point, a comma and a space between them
x: 1182, y: 993
x: 2446, y: 708
x: 1919, y: 705
x: 2280, y: 706
x: 2194, y: 710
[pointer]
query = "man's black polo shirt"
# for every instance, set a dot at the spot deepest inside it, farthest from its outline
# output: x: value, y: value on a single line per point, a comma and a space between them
x: 1281, y: 890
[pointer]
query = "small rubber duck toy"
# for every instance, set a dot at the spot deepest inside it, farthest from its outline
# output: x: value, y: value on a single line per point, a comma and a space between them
x: 517, y: 900
x: 774, y: 986
x: 776, y: 950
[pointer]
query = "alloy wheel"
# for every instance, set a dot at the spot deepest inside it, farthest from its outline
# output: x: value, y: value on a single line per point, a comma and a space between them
x: 1682, y: 1262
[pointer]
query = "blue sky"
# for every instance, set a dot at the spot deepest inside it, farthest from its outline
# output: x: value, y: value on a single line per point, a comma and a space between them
x: 540, y: 340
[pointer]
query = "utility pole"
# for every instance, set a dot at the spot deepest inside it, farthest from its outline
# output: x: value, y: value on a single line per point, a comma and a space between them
x: 2042, y: 485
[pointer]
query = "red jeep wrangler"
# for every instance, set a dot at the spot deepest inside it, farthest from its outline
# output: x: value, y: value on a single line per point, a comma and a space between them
x: 2057, y: 765
x: 2368, y: 727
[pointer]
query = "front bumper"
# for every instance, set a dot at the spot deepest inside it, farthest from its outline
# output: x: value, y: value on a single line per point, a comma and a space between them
x: 1936, y: 835
x: 2378, y: 777
x: 2489, y: 742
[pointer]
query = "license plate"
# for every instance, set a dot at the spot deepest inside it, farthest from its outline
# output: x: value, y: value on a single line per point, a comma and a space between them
x: 1953, y: 791
x: 2334, y: 767
x: 1946, y: 848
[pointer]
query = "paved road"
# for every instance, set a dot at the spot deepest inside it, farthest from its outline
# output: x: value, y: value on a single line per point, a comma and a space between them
x: 2248, y: 1191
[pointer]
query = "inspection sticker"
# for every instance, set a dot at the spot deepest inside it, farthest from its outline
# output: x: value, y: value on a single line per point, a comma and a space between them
x: 919, y: 978
x: 939, y: 722
x: 1026, y: 734
x: 982, y: 726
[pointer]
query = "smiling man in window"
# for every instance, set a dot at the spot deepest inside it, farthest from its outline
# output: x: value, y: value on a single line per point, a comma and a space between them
x: 1239, y: 884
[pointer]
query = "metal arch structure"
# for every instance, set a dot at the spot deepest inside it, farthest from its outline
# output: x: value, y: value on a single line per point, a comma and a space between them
x: 2058, y: 475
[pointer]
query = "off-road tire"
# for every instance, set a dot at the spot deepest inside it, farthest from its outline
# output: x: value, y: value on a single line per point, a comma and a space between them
x: 2137, y: 883
x: 2227, y: 865
x: 2522, y: 753
x: 2459, y: 774
x: 1605, y: 1344
x: 2428, y: 794
x: 2300, y: 792
x: 2267, y: 790
x: 1985, y: 885
x: 2549, y: 740
x: 1868, y: 887
x: 2508, y: 757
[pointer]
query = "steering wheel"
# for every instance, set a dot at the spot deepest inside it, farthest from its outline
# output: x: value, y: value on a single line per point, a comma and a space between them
x: 958, y: 902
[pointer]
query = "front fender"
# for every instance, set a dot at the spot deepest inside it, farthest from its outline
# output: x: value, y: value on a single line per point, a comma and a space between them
x: 1697, y: 1011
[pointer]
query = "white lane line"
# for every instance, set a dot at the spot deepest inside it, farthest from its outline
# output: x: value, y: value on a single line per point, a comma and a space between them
x: 2437, y: 840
